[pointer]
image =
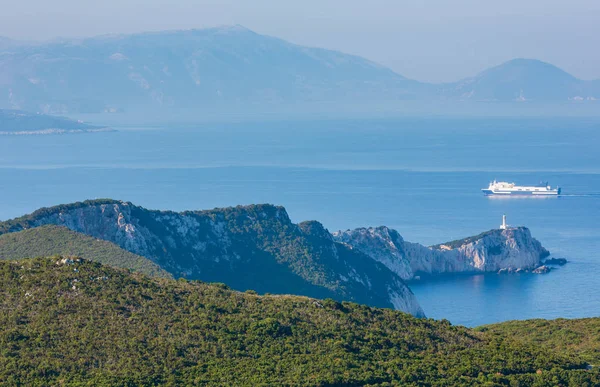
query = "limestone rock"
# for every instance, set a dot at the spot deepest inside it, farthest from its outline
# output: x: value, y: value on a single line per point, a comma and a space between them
x: 542, y: 270
x: 509, y: 250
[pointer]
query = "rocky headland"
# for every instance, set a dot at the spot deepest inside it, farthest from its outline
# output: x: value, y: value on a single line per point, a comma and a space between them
x: 259, y: 248
x: 509, y: 250
x: 254, y: 247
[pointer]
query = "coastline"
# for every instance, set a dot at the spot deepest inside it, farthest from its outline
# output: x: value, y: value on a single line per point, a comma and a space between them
x: 45, y: 132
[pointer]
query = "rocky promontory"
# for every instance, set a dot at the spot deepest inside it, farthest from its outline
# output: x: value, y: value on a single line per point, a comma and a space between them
x: 258, y: 247
x: 254, y: 247
x: 511, y: 249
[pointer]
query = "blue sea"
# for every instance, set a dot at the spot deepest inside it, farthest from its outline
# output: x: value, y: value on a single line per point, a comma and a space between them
x: 421, y: 176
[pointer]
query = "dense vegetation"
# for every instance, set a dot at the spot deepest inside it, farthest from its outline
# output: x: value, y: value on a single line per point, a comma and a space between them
x: 56, y: 240
x: 82, y: 323
x: 247, y: 247
x: 580, y: 337
x: 306, y: 250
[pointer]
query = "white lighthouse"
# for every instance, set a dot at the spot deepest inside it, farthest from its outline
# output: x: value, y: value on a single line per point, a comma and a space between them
x: 503, y: 226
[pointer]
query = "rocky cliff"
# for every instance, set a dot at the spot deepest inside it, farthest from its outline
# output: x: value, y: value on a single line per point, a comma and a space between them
x: 246, y: 247
x: 510, y: 249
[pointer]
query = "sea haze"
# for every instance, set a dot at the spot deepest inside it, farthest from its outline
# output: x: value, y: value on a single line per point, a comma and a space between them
x: 419, y: 176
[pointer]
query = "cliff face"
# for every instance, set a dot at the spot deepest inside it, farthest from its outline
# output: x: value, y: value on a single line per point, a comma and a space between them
x: 247, y: 247
x: 512, y: 249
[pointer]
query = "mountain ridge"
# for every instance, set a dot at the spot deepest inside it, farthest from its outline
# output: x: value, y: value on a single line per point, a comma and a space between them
x: 522, y: 79
x: 232, y: 68
x: 183, y: 69
x: 247, y: 247
x: 258, y: 247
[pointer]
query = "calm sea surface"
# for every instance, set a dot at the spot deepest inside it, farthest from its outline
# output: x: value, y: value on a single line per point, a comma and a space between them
x: 419, y: 176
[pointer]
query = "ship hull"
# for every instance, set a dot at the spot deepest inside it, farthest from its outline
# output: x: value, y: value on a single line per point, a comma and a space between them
x: 489, y: 192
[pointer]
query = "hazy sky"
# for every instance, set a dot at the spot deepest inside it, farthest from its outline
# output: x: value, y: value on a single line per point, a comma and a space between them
x: 429, y: 40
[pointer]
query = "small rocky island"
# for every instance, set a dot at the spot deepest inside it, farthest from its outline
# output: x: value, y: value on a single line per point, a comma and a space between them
x: 20, y: 123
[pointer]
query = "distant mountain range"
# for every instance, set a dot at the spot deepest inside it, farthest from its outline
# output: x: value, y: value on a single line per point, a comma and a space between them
x: 233, y: 66
x: 523, y: 80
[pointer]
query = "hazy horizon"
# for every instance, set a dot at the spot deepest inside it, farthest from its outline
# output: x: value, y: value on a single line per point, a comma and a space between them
x: 432, y: 42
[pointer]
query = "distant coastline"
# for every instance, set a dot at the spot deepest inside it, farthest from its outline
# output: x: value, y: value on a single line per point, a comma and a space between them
x: 45, y: 132
x: 21, y: 123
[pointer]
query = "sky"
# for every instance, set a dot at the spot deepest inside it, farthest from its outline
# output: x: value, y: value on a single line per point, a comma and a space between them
x: 427, y: 40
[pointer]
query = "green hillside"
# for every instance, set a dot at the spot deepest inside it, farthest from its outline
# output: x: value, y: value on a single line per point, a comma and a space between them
x: 55, y: 240
x: 254, y: 247
x: 580, y: 337
x: 82, y: 323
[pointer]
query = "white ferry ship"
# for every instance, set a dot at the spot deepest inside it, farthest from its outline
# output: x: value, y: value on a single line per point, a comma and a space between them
x: 502, y: 188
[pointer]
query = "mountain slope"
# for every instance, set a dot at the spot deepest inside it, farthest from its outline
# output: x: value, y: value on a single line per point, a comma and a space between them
x: 100, y: 326
x: 580, y: 337
x: 523, y: 80
x: 247, y: 247
x: 56, y: 240
x: 227, y: 66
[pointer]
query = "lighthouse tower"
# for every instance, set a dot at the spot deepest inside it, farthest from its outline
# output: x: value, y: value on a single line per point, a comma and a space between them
x: 503, y: 226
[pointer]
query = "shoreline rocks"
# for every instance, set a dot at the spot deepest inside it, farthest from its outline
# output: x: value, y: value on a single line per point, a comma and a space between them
x: 542, y: 270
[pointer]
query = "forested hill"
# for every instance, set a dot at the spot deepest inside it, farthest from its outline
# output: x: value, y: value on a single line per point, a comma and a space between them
x: 258, y: 247
x: 580, y: 336
x: 80, y: 323
x: 56, y: 240
x: 253, y: 247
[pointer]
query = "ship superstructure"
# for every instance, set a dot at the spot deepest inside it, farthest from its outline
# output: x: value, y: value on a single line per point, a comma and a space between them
x: 502, y: 188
